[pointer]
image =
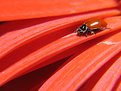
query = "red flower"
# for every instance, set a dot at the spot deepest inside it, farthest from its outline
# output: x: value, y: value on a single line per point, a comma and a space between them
x: 40, y: 50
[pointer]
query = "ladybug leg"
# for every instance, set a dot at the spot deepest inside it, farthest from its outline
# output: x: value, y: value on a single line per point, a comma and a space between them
x: 92, y: 32
x: 76, y: 30
x: 86, y: 33
x: 79, y: 34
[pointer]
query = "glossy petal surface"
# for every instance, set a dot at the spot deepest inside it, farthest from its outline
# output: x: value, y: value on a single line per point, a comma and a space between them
x: 40, y: 50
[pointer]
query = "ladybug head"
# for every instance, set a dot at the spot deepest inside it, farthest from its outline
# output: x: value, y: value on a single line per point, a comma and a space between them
x: 82, y: 29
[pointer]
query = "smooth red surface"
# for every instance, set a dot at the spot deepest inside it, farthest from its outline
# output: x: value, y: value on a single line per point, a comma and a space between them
x: 119, y: 87
x: 24, y: 9
x: 15, y: 37
x: 84, y: 65
x: 30, y: 82
x: 108, y: 80
x: 52, y: 49
x: 38, y: 33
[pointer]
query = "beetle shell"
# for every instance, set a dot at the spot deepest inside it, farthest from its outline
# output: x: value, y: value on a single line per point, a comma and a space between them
x: 96, y: 24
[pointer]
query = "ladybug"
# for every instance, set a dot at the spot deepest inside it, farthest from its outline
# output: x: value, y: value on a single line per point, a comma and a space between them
x: 91, y: 27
